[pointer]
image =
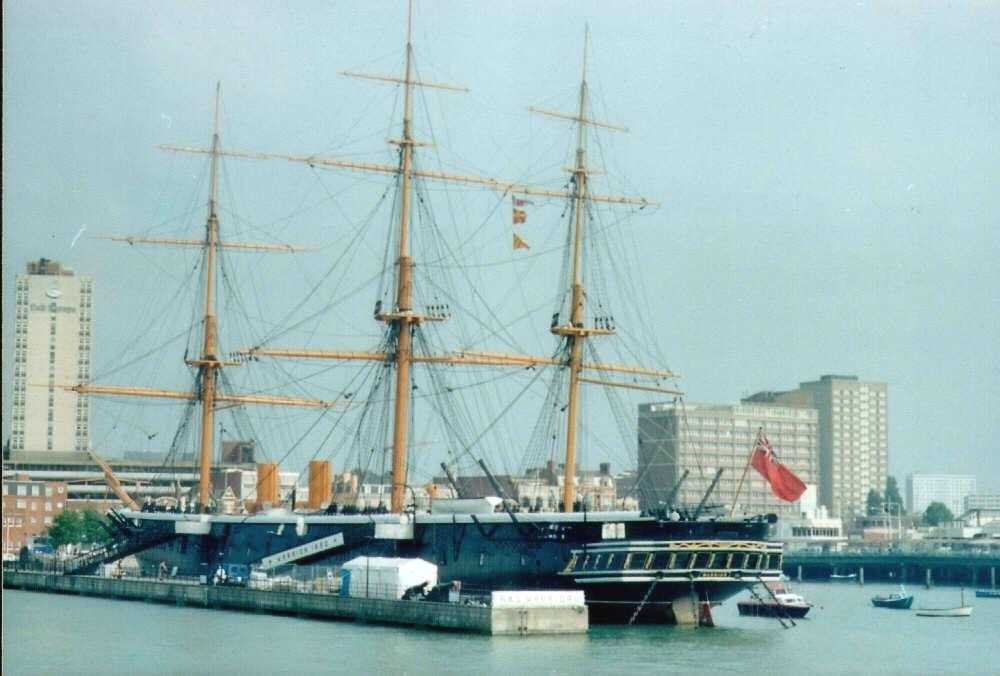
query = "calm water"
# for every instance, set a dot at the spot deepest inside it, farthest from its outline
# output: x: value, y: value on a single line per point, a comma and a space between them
x: 46, y: 634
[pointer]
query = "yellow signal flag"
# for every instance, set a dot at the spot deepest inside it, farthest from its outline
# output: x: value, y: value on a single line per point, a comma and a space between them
x: 520, y: 216
x: 520, y: 243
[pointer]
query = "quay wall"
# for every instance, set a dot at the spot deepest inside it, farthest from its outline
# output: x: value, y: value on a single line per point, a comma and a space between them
x: 447, y: 616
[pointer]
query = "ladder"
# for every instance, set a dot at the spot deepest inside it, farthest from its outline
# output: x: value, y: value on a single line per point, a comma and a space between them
x: 781, y: 611
x: 645, y: 599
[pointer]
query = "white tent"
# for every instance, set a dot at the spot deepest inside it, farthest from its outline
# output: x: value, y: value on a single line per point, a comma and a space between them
x: 384, y: 578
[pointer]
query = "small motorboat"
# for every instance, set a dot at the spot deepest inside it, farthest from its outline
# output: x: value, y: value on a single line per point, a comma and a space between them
x: 988, y: 593
x: 850, y: 577
x: 779, y: 601
x: 899, y: 600
x: 961, y: 611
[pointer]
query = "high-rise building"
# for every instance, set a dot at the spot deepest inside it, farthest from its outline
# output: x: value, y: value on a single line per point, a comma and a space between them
x: 703, y: 438
x: 949, y: 489
x: 853, y: 437
x: 52, y: 346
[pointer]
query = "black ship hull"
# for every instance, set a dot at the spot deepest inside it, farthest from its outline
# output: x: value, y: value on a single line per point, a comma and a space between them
x: 632, y: 568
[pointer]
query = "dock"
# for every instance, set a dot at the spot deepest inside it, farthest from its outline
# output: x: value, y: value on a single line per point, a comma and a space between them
x: 479, y: 619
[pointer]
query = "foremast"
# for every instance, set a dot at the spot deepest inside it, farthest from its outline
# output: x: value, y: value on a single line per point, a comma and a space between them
x: 208, y: 363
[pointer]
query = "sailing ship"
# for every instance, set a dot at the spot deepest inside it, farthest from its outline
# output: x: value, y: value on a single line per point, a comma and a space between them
x: 653, y: 566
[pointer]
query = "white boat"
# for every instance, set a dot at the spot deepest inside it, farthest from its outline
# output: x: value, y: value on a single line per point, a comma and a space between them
x: 961, y: 611
x: 782, y: 603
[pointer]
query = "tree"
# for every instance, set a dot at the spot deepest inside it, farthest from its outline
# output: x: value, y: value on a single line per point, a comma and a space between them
x: 87, y: 527
x: 892, y: 493
x: 937, y: 513
x: 873, y: 503
x: 94, y: 527
x: 66, y: 528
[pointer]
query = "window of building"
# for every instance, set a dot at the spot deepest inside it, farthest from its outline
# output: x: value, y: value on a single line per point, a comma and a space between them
x: 22, y: 490
x: 22, y: 504
x: 48, y: 506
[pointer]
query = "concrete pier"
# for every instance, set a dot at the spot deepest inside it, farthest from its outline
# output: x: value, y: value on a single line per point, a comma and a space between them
x: 800, y: 573
x: 927, y: 583
x: 948, y: 568
x: 993, y: 577
x: 448, y: 616
x: 861, y: 576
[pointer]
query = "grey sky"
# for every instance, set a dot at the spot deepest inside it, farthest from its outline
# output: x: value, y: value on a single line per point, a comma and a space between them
x: 827, y: 171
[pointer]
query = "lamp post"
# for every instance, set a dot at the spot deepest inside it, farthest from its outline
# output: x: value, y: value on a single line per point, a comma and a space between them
x: 887, y: 508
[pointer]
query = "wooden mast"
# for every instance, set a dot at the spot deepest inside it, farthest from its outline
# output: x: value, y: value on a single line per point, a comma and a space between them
x: 576, y: 340
x: 404, y: 321
x: 209, y: 362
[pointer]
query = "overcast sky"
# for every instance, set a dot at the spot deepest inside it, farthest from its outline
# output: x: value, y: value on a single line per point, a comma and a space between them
x: 827, y: 172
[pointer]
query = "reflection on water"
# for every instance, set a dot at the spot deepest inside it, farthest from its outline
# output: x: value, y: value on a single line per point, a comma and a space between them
x: 843, y: 634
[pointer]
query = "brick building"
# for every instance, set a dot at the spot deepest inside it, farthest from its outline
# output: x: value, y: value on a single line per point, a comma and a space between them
x: 28, y: 509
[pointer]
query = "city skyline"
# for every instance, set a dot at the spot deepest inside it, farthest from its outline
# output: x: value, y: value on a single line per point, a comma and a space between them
x: 855, y: 233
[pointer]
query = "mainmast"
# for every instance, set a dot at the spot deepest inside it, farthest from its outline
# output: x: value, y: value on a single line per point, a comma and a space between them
x: 404, y: 323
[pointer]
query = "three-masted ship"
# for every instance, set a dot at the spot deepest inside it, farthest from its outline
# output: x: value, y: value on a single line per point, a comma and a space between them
x: 653, y: 566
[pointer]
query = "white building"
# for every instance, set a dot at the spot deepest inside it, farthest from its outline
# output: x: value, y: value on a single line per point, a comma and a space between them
x: 53, y: 321
x: 812, y: 527
x: 950, y: 489
x: 853, y: 437
x: 703, y: 438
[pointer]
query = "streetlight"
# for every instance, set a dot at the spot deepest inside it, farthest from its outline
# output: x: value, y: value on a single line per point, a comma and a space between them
x: 887, y: 508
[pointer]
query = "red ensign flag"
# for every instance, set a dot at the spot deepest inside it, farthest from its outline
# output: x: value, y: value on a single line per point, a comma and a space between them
x: 784, y: 484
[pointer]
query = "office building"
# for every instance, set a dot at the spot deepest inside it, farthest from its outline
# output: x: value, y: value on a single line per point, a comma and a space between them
x: 702, y: 438
x: 982, y: 508
x: 948, y: 489
x: 853, y: 437
x: 53, y: 322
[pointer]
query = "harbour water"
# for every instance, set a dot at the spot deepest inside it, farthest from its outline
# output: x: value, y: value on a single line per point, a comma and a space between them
x: 843, y: 634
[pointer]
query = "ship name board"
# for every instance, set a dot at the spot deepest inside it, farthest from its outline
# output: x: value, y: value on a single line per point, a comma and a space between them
x: 302, y: 551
